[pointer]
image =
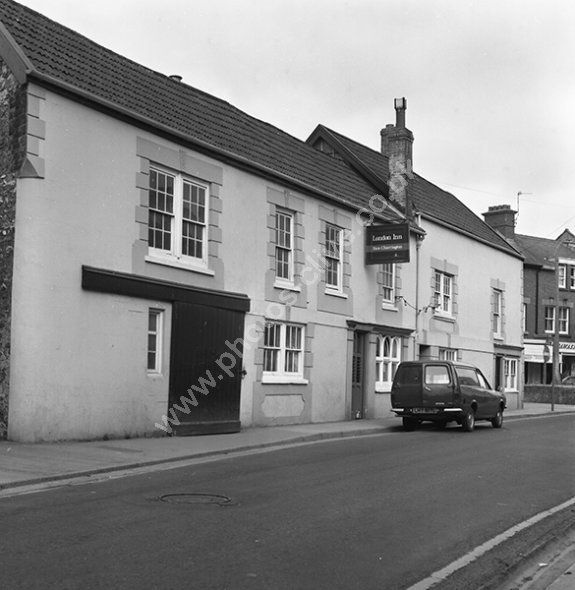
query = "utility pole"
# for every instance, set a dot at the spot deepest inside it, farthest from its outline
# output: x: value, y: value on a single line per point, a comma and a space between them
x: 555, y: 377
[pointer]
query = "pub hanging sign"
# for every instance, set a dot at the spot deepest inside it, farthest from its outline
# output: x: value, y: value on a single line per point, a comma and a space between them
x: 387, y: 243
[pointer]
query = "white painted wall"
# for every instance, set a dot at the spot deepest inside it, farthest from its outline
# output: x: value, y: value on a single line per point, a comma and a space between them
x: 78, y: 366
x: 330, y: 370
x: 478, y: 265
x: 79, y: 358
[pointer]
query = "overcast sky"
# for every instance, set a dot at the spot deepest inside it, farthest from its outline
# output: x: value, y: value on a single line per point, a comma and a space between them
x: 490, y: 84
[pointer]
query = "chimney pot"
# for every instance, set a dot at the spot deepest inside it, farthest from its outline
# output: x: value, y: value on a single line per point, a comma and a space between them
x: 400, y: 105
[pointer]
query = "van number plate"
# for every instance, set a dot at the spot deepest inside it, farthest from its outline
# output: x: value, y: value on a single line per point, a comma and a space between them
x: 425, y: 410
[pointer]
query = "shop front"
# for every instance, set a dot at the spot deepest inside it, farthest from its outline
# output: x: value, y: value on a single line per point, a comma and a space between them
x: 539, y: 361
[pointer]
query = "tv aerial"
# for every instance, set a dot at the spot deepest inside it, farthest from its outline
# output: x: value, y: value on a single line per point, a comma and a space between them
x: 519, y: 193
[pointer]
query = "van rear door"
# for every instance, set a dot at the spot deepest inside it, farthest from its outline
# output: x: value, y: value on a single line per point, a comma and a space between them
x: 406, y: 391
x: 437, y: 385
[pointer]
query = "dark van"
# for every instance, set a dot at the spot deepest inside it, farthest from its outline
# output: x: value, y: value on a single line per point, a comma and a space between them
x: 443, y: 392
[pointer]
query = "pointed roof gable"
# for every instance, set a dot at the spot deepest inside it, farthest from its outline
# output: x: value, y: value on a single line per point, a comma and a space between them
x: 52, y: 55
x: 429, y: 200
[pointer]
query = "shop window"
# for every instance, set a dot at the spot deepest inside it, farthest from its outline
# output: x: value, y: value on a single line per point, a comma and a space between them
x: 387, y: 357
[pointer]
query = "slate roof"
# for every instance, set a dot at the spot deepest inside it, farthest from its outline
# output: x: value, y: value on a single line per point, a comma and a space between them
x: 542, y: 251
x: 430, y: 201
x: 58, y: 56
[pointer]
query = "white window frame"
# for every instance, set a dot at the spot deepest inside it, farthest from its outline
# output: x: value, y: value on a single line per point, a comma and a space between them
x: 333, y: 258
x: 510, y: 374
x: 448, y: 354
x: 550, y: 318
x: 563, y: 320
x: 177, y: 222
x: 388, y: 283
x: 572, y: 277
x: 284, y: 247
x: 387, y: 358
x: 443, y: 293
x: 282, y: 347
x: 562, y: 276
x: 155, y: 335
x: 497, y: 313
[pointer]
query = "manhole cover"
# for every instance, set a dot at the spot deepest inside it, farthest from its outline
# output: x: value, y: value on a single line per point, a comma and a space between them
x: 196, y: 498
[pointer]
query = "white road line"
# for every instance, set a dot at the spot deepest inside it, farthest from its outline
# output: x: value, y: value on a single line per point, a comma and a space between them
x: 481, y: 550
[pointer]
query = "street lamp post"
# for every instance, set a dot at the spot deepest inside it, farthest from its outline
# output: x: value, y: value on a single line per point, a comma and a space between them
x: 555, y: 377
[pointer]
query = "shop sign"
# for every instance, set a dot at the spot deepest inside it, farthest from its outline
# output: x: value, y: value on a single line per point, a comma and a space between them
x: 387, y: 243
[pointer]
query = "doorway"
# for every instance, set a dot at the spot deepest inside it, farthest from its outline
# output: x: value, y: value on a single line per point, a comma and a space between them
x: 358, y: 375
x: 204, y: 369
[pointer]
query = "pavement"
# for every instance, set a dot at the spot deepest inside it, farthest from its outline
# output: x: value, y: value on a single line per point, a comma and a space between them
x: 30, y: 467
x: 26, y: 464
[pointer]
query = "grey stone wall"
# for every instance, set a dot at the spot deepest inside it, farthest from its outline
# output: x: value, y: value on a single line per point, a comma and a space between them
x: 12, y: 146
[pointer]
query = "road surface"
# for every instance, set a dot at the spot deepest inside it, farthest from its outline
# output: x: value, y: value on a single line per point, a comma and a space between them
x: 379, y: 512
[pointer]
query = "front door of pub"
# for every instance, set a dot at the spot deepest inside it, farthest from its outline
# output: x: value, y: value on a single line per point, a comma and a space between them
x: 357, y: 375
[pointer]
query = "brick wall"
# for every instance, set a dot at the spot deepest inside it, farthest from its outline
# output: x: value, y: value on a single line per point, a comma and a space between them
x: 540, y: 288
x: 530, y: 292
x: 564, y: 394
x: 12, y: 137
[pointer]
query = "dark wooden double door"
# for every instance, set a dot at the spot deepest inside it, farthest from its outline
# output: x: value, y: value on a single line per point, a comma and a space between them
x: 205, y: 369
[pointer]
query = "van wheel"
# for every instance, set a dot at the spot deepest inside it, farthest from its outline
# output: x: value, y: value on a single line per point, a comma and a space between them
x: 468, y: 421
x: 497, y: 420
x: 410, y: 424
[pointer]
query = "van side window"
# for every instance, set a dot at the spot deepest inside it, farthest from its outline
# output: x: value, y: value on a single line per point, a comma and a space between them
x: 467, y: 376
x: 436, y: 375
x: 483, y: 381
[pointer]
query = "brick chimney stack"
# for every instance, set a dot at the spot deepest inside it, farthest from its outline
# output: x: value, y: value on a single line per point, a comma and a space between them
x: 501, y: 218
x: 397, y: 145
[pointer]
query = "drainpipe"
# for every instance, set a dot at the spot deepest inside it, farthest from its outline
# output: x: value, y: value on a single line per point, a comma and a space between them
x: 555, y: 379
x: 536, y: 331
x: 416, y: 336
